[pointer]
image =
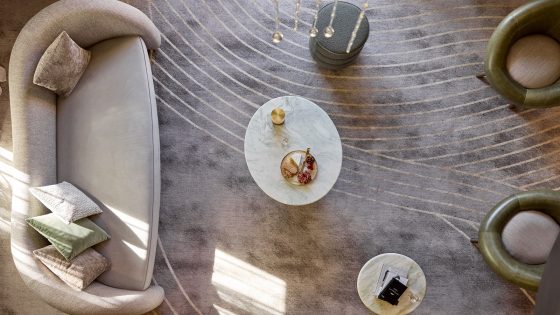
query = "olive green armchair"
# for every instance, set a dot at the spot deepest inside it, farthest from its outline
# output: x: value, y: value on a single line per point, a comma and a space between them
x: 537, y: 17
x: 490, y: 235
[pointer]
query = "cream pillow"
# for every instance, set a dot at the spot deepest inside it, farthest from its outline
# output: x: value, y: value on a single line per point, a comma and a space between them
x: 78, y: 272
x: 66, y: 201
x: 529, y: 236
x: 62, y: 65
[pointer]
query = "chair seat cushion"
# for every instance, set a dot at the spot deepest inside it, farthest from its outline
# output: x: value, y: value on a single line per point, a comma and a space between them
x: 534, y: 61
x: 108, y: 147
x: 529, y: 236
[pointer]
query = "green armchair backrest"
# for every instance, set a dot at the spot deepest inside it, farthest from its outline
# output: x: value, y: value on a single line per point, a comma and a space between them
x: 490, y: 235
x: 537, y: 17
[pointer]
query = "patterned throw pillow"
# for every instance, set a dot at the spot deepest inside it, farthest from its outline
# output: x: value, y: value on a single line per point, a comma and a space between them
x: 62, y: 65
x: 69, y: 239
x: 66, y: 201
x: 78, y: 272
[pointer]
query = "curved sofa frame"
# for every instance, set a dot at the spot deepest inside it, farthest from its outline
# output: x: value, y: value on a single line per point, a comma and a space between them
x: 33, y: 112
x: 536, y: 17
x: 490, y: 235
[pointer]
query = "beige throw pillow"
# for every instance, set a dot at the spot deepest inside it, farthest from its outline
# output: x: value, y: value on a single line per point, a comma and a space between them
x: 78, y: 272
x: 62, y: 65
x: 66, y: 201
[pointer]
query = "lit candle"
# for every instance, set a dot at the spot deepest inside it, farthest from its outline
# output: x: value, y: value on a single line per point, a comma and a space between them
x: 278, y: 116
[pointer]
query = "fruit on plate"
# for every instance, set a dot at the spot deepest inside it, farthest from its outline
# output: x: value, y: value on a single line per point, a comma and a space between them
x: 304, y: 177
x: 309, y: 161
x: 299, y: 167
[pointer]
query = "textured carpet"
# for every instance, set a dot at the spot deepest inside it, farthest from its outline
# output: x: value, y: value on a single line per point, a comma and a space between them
x: 428, y: 149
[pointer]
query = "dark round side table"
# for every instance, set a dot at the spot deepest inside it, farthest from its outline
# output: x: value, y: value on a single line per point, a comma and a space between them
x: 331, y: 52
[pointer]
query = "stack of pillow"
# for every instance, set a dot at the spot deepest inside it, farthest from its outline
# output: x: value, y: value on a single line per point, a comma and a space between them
x: 67, y: 228
x: 71, y: 234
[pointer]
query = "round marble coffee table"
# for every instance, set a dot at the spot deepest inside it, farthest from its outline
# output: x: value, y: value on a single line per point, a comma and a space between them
x: 412, y: 297
x: 306, y: 126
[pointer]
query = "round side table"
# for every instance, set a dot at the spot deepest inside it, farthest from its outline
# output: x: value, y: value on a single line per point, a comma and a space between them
x: 306, y: 126
x: 412, y: 297
x: 331, y: 52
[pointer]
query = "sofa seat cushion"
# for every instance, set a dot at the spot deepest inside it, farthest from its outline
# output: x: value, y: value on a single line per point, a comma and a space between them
x: 529, y: 236
x: 108, y: 147
x: 534, y: 61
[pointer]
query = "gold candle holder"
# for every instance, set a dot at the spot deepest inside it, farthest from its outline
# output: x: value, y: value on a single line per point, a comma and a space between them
x: 278, y: 116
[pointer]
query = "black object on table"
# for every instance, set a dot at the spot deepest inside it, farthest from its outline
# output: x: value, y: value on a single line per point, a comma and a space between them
x: 548, y: 296
x: 392, y: 291
x: 331, y: 52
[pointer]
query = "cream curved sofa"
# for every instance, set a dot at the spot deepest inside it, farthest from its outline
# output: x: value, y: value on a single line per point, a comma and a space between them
x: 103, y: 138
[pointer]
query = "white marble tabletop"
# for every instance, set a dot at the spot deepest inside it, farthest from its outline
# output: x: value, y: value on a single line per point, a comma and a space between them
x: 412, y: 297
x: 306, y: 126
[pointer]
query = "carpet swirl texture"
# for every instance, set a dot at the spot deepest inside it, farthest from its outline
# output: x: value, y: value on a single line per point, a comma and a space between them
x: 427, y: 150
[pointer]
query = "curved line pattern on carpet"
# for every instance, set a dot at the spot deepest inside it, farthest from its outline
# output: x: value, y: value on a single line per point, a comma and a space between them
x: 428, y: 149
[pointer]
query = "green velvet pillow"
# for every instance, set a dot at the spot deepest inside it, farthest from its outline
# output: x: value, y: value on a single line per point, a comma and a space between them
x: 69, y: 239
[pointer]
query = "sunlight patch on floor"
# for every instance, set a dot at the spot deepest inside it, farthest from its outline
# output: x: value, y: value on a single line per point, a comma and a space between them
x: 248, y: 287
x: 223, y: 311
